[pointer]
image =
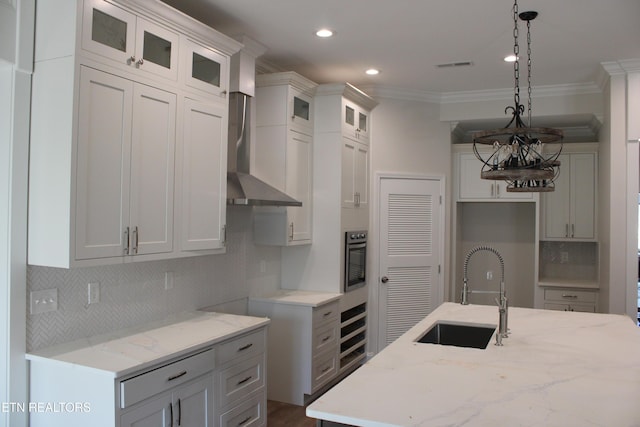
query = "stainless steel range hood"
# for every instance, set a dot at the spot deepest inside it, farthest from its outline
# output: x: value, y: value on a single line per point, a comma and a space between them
x: 242, y: 187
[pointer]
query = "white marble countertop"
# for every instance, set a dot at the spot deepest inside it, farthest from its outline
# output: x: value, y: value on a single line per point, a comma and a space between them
x: 308, y: 298
x: 120, y: 353
x: 555, y: 369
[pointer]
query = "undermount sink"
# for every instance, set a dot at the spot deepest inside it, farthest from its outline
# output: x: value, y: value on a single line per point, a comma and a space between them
x: 458, y: 335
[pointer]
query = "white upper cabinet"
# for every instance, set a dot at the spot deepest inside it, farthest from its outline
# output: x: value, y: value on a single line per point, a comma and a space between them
x: 471, y: 187
x: 284, y: 156
x: 130, y: 41
x: 203, y: 178
x: 205, y: 69
x: 355, y: 174
x: 569, y: 212
x: 355, y: 121
x: 124, y: 191
x: 121, y: 140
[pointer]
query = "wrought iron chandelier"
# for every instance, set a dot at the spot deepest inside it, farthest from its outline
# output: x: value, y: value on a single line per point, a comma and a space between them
x: 525, y: 157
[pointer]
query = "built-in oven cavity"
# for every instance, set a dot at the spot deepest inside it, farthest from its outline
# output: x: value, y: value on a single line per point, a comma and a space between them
x: 355, y: 261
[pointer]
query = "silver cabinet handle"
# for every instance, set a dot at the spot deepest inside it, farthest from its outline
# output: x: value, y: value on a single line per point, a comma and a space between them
x: 573, y: 230
x: 126, y: 241
x: 569, y: 296
x: 566, y: 230
x: 497, y: 190
x: 327, y: 338
x: 135, y: 236
x: 171, y: 412
x: 291, y: 231
x: 328, y: 313
x: 224, y: 235
x: 179, y: 412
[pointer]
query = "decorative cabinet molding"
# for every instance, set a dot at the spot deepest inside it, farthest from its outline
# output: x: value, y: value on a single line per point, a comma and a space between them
x: 114, y: 125
x: 569, y: 212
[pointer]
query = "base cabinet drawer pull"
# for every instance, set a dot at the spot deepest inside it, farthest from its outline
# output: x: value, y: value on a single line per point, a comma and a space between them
x: 246, y: 420
x: 245, y: 347
x: 327, y: 338
x: 245, y: 380
x: 569, y: 296
x: 328, y: 313
x: 176, y: 376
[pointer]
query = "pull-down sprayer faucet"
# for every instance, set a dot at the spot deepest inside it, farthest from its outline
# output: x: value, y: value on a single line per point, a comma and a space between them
x: 503, y: 306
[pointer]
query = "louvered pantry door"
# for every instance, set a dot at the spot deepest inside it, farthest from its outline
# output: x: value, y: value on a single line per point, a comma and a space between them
x: 410, y: 253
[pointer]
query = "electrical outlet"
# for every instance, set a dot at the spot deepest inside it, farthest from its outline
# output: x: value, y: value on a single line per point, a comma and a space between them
x: 168, y: 280
x: 44, y: 301
x: 93, y: 292
x: 489, y: 275
x: 564, y: 257
x: 263, y: 266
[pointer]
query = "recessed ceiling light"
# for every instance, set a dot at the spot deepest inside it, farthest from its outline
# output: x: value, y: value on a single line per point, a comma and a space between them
x: 372, y: 71
x: 324, y: 33
x: 510, y: 58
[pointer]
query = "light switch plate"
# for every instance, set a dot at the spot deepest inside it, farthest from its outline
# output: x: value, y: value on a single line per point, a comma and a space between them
x: 168, y: 280
x: 44, y: 301
x: 93, y: 292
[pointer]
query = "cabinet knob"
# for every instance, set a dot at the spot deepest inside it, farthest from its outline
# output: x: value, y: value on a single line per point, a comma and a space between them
x: 139, y: 62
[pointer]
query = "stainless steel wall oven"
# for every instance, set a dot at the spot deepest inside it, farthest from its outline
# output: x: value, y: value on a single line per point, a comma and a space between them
x: 355, y: 262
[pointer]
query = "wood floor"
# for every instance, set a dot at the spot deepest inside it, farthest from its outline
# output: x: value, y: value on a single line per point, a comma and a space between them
x: 285, y: 415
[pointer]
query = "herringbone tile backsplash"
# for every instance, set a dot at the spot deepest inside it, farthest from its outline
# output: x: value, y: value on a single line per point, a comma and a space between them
x: 134, y: 293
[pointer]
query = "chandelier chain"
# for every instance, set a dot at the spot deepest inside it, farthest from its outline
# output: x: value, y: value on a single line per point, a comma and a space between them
x: 529, y: 70
x: 516, y: 53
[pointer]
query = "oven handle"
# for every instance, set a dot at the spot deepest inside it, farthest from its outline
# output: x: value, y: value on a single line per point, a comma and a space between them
x: 357, y: 245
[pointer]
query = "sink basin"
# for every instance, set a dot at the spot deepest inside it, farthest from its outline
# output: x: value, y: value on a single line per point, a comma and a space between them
x: 459, y: 335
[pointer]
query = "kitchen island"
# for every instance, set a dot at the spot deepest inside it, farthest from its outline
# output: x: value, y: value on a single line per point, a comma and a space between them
x: 555, y: 369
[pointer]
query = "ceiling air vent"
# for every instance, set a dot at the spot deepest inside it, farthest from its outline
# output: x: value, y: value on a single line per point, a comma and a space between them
x: 455, y: 64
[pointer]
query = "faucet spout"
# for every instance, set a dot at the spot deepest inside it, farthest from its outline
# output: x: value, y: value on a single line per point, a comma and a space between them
x: 503, y: 306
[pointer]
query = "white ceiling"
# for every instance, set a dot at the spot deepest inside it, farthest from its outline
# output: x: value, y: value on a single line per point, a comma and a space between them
x: 406, y: 39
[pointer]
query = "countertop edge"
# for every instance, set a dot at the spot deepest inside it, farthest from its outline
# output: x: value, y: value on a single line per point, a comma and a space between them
x: 41, y: 356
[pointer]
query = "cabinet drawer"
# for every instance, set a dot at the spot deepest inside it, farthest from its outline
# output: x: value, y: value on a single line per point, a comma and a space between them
x: 251, y: 413
x: 569, y: 295
x: 244, y: 346
x: 240, y: 380
x: 325, y: 313
x: 165, y: 377
x: 324, y: 368
x: 325, y: 337
x: 584, y: 308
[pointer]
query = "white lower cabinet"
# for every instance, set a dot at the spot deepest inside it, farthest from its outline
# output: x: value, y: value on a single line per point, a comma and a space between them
x: 571, y: 299
x: 303, y: 345
x: 218, y: 385
x: 189, y: 405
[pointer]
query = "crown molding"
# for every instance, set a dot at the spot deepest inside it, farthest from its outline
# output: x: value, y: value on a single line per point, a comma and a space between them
x: 381, y: 91
x: 503, y: 94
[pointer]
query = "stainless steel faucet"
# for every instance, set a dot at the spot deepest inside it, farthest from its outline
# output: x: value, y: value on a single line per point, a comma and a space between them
x: 503, y: 306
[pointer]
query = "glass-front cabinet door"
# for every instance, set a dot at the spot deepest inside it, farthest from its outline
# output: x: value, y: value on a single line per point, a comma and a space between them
x: 108, y: 31
x: 156, y: 49
x: 300, y: 111
x: 205, y: 69
x: 132, y: 42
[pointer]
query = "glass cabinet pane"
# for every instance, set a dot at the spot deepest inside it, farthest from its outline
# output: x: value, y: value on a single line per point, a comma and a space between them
x: 109, y: 31
x: 205, y: 69
x: 157, y: 50
x: 300, y: 108
x: 362, y: 122
x: 349, y: 115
